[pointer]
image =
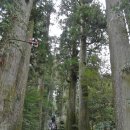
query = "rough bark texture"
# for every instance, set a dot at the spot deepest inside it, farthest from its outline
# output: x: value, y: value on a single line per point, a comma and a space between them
x: 120, y: 63
x: 71, y: 112
x: 14, y: 72
x: 72, y: 92
x: 71, y: 109
x: 83, y: 88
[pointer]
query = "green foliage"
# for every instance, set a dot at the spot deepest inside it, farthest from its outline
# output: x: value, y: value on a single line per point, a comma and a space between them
x: 32, y: 109
x: 126, y: 7
x: 5, y: 16
x: 99, y: 87
x: 91, y: 74
x: 95, y: 22
x: 101, y: 103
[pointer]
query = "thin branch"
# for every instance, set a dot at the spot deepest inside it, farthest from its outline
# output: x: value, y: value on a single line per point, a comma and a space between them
x: 18, y: 40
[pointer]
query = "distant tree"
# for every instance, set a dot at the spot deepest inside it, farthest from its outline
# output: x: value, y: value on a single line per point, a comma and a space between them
x: 41, y: 63
x: 91, y: 37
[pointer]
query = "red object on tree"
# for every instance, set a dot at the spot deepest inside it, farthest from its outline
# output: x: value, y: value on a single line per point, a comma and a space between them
x: 34, y: 42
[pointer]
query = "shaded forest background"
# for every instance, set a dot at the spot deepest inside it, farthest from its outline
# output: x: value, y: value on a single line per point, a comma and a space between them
x: 64, y: 76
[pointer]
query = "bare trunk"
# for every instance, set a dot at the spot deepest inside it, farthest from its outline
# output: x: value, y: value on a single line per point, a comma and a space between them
x: 72, y: 91
x: 14, y: 72
x: 71, y: 112
x: 71, y: 109
x: 83, y: 88
x: 120, y: 63
x: 41, y: 90
x: 71, y: 116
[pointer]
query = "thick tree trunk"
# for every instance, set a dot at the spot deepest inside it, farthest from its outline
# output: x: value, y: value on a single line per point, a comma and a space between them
x: 120, y: 63
x: 71, y: 114
x: 83, y: 88
x: 72, y: 91
x: 71, y: 109
x: 14, y: 72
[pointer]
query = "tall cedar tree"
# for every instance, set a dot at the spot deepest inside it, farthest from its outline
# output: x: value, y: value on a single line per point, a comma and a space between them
x: 14, y: 71
x: 120, y: 63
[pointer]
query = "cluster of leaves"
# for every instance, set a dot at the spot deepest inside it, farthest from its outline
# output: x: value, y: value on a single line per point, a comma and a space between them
x: 100, y: 96
x: 125, y: 6
x: 101, y: 107
x: 4, y: 17
x: 41, y: 58
x: 31, y: 109
x: 8, y: 14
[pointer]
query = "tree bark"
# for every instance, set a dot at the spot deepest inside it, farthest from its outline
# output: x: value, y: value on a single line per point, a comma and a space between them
x: 120, y: 63
x: 83, y: 88
x: 41, y: 91
x: 14, y: 72
x: 72, y: 91
x: 71, y: 114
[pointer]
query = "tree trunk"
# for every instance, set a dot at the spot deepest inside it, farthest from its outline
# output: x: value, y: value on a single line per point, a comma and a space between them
x: 71, y: 114
x: 14, y: 72
x: 83, y: 88
x: 72, y: 91
x: 120, y: 63
x: 47, y: 110
x: 71, y: 108
x: 41, y: 91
